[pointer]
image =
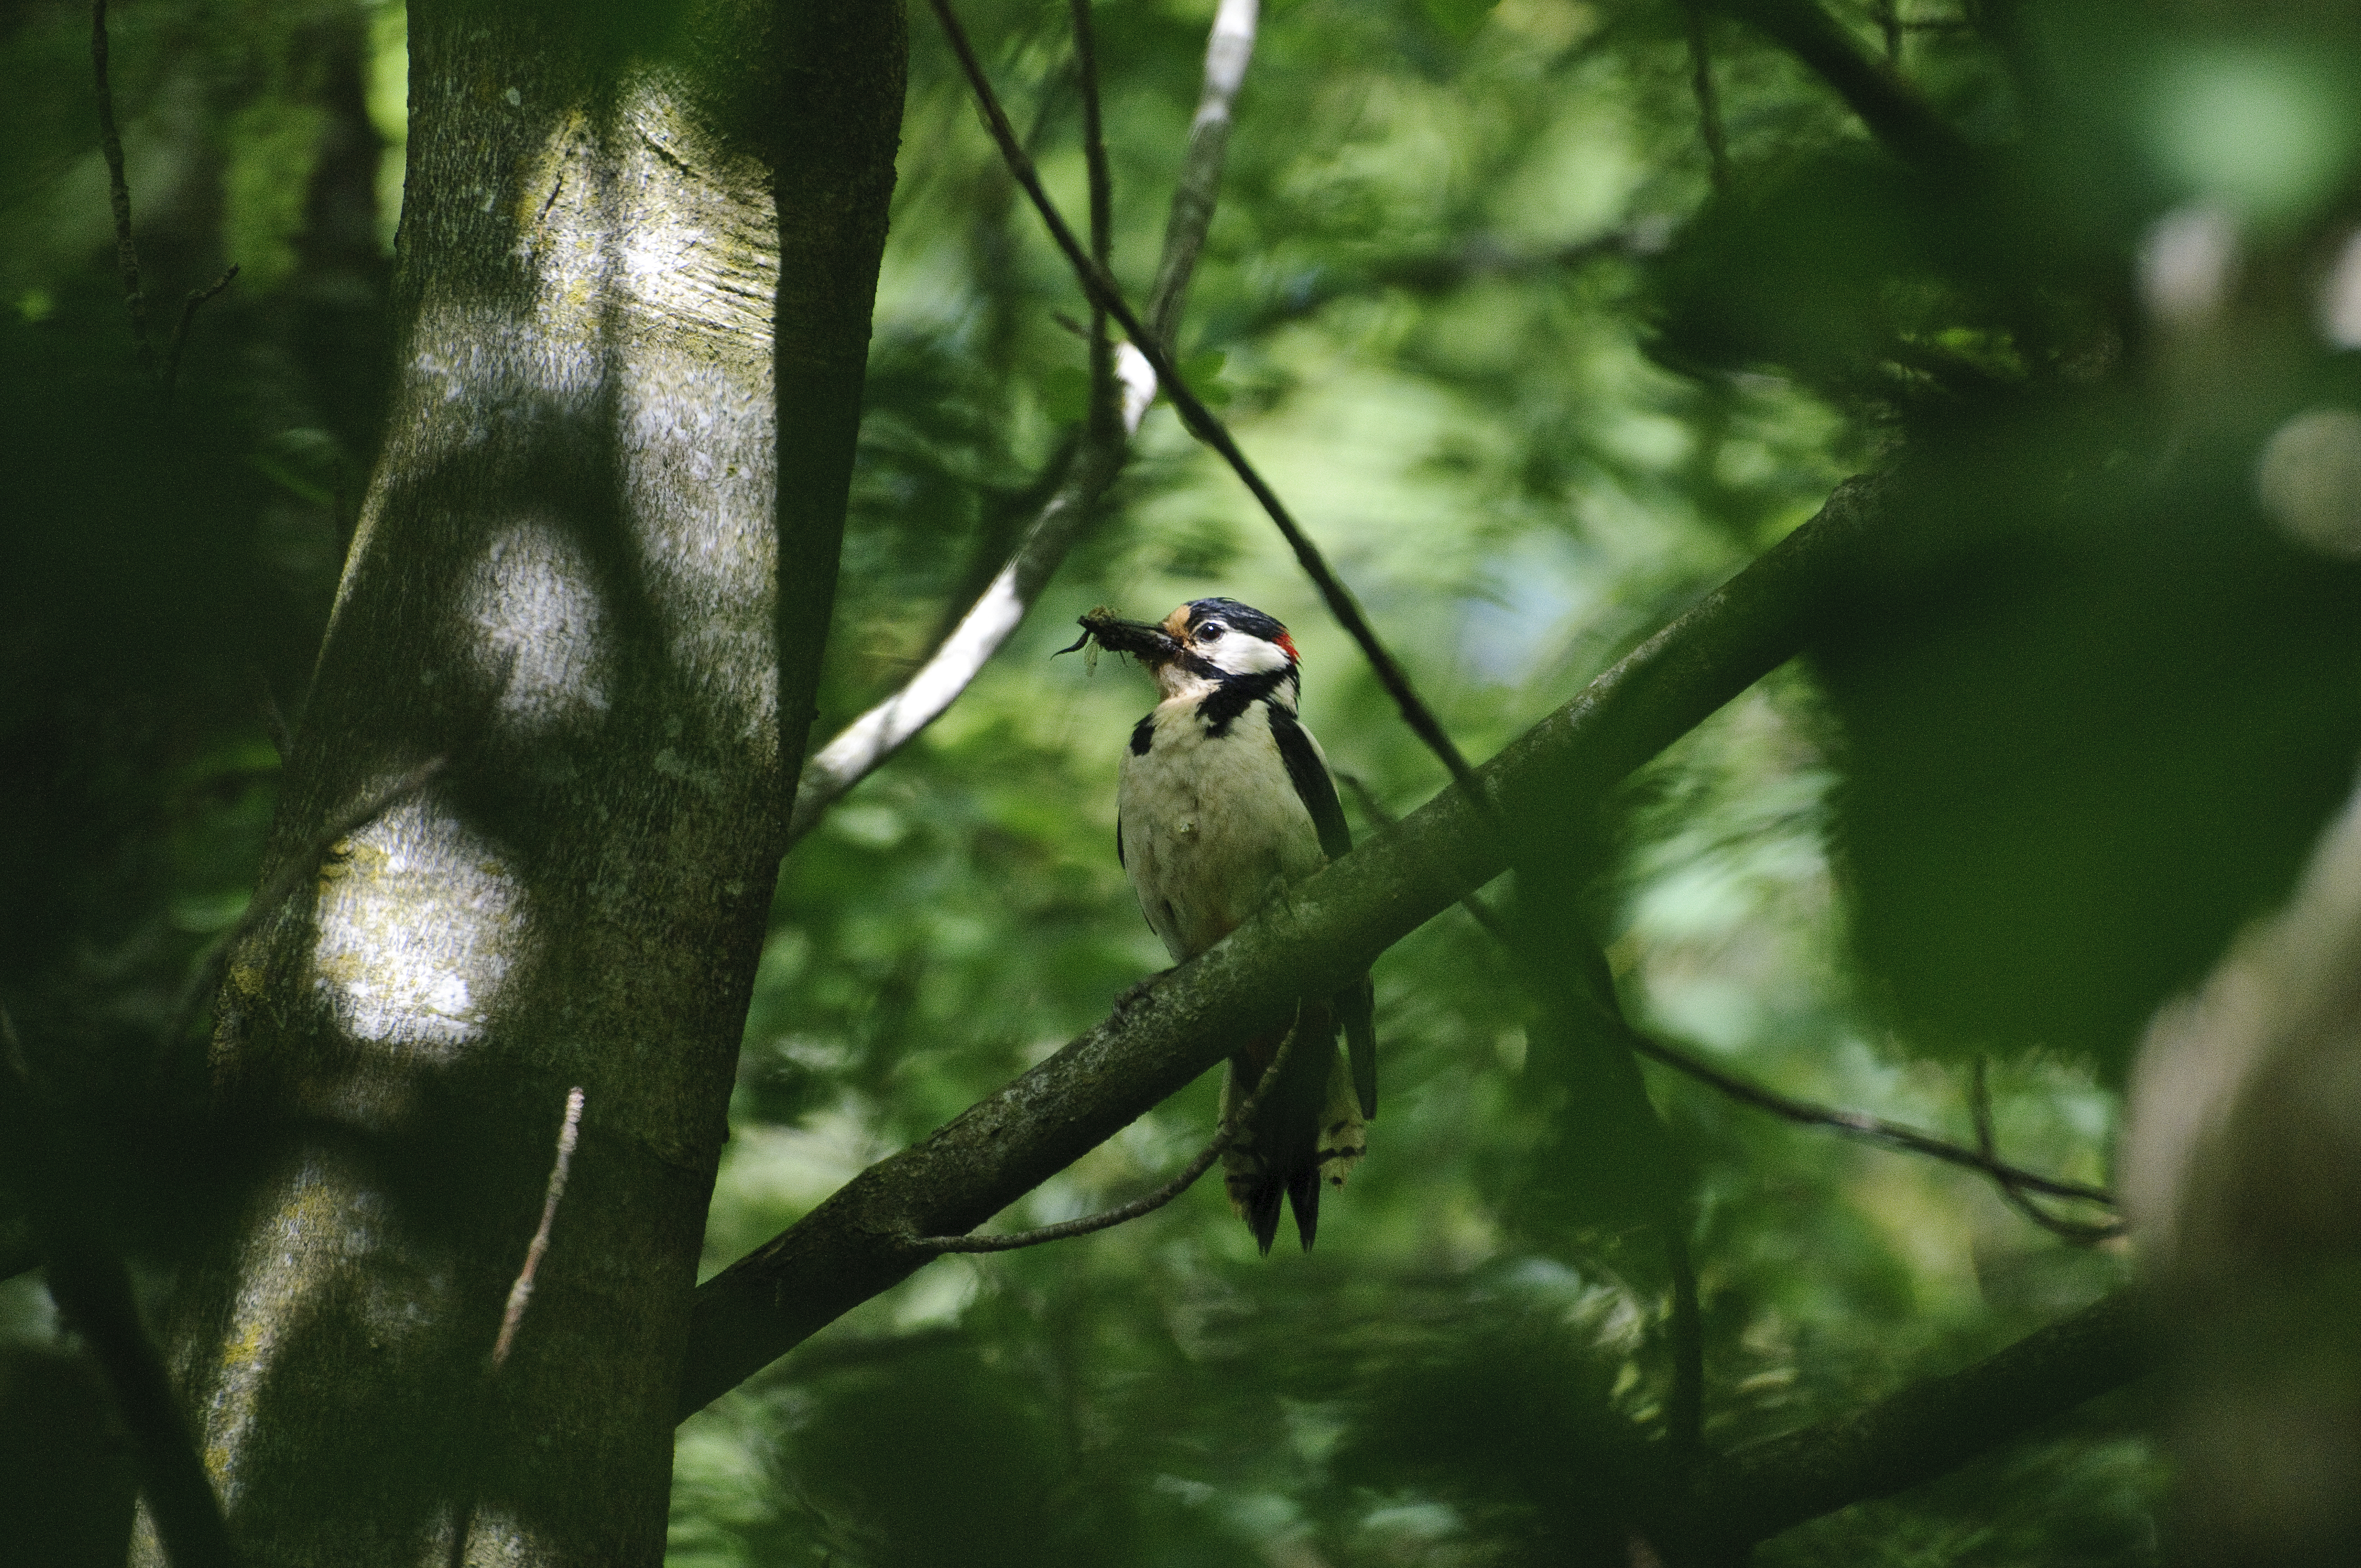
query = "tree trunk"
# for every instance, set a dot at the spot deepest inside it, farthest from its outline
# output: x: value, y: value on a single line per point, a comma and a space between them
x: 582, y: 586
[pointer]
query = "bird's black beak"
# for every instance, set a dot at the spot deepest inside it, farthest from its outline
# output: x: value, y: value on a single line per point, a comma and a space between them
x: 1147, y: 643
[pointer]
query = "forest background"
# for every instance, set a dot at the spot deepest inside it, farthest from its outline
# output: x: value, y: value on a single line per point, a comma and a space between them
x: 1546, y: 317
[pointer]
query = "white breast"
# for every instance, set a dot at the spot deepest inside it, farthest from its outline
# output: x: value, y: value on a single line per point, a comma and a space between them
x: 1212, y: 824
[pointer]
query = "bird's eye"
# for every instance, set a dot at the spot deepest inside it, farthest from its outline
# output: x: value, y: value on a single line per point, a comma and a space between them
x: 1210, y: 630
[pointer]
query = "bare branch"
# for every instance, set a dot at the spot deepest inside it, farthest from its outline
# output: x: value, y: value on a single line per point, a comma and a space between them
x: 1925, y: 1431
x: 126, y: 255
x: 1860, y: 1124
x: 93, y: 1290
x: 1201, y: 422
x: 1887, y: 104
x: 206, y: 979
x: 863, y: 746
x: 520, y: 1293
x: 1146, y: 1204
x: 854, y: 1245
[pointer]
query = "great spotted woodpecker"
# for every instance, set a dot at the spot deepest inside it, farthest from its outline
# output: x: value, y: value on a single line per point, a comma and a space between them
x: 1225, y: 800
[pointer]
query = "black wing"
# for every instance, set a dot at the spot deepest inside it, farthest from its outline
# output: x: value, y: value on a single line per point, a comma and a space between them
x: 1356, y: 1003
x: 1310, y: 776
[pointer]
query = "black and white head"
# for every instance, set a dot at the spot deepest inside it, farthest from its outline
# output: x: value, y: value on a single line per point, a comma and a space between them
x: 1218, y: 641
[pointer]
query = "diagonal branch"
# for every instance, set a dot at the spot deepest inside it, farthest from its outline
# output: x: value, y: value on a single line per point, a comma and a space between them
x: 1201, y: 422
x: 1891, y: 109
x: 1927, y: 1430
x: 1146, y: 1203
x: 865, y: 744
x: 1323, y: 935
x: 93, y: 1289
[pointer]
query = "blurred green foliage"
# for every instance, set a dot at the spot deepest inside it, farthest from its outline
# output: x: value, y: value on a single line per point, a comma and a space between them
x: 1473, y: 302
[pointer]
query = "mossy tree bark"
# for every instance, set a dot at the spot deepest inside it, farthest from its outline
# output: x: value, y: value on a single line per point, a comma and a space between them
x: 589, y: 583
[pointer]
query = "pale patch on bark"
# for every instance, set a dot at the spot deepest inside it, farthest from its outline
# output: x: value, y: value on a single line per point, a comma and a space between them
x: 419, y: 925
x: 322, y: 1235
x: 544, y: 638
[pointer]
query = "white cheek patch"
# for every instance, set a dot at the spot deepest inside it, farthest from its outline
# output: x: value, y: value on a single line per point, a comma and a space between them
x: 1239, y: 654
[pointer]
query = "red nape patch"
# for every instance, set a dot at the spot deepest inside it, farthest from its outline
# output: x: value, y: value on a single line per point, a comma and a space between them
x: 1289, y: 643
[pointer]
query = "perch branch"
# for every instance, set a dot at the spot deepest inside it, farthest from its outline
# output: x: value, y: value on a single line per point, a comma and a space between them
x: 1146, y: 1204
x: 853, y: 1245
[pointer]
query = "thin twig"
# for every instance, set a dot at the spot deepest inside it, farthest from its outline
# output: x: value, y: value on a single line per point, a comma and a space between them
x: 1803, y: 1112
x: 207, y: 976
x: 93, y: 1289
x: 1709, y: 102
x: 1202, y: 422
x: 126, y: 255
x: 2080, y: 1232
x: 520, y: 1293
x: 1889, y: 24
x: 865, y: 744
x: 1872, y: 1129
x: 1108, y: 1218
x: 197, y: 298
